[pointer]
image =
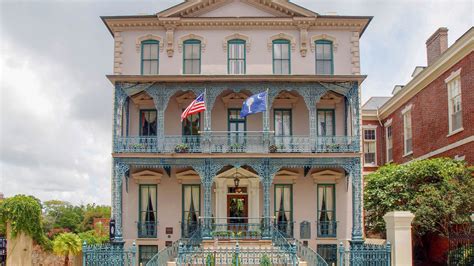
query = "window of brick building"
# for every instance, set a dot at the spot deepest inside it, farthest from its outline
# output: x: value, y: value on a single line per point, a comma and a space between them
x: 407, y: 132
x: 370, y: 147
x: 389, y: 139
x: 454, y: 103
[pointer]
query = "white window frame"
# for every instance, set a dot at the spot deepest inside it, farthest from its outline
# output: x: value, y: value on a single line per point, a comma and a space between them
x: 455, y: 75
x: 405, y: 113
x: 387, y: 125
x: 374, y: 128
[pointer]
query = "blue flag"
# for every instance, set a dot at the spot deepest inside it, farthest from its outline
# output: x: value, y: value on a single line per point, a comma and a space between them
x: 254, y: 104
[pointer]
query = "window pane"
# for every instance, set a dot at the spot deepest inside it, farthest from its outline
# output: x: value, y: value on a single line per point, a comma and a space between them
x: 146, y: 51
x: 319, y: 51
x: 285, y: 51
x: 196, y: 51
x: 327, y: 51
x: 154, y: 51
x: 369, y: 134
x: 277, y: 66
x: 285, y: 68
x: 188, y: 51
x: 154, y: 67
x: 277, y: 52
x: 146, y: 67
x: 278, y: 123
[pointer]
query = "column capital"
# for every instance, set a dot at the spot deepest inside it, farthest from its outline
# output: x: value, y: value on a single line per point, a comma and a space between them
x: 398, y: 219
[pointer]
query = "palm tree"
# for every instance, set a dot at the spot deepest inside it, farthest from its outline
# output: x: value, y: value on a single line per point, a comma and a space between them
x: 67, y: 244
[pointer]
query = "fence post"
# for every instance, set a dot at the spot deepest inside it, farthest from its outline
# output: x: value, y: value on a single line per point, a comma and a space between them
x: 134, y: 253
x: 237, y: 251
x: 341, y: 254
x: 84, y: 249
x: 180, y: 253
x: 388, y: 248
x: 398, y: 224
x: 293, y: 254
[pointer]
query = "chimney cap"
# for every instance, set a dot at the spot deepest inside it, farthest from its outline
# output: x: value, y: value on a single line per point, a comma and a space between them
x: 439, y: 31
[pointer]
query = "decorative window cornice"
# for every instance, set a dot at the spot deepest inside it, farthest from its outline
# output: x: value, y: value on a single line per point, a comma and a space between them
x: 369, y: 126
x: 453, y: 75
x: 237, y: 36
x: 142, y: 38
x: 191, y: 36
x: 314, y: 38
x: 407, y: 109
x: 388, y: 123
x: 281, y: 36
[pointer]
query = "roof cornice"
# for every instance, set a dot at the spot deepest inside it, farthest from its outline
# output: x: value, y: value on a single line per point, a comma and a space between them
x: 460, y: 49
x: 233, y: 78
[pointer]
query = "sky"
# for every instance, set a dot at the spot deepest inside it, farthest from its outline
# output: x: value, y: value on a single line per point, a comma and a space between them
x: 56, y: 104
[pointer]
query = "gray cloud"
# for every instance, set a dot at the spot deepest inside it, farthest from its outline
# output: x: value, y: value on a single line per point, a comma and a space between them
x: 55, y: 102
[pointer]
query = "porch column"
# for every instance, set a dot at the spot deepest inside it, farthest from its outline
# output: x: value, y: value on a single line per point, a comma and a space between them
x: 207, y: 170
x: 266, y: 171
x: 355, y: 173
x: 311, y: 96
x: 354, y: 104
x: 119, y: 172
x: 119, y: 101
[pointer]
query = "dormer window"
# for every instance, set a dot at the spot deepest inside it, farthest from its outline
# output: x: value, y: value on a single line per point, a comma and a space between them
x: 150, y: 57
x: 324, y: 57
x: 192, y: 57
x: 236, y: 61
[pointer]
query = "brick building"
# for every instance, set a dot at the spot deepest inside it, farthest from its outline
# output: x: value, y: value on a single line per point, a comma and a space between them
x: 432, y: 115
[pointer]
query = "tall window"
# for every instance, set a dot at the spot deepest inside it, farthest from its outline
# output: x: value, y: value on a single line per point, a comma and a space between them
x: 236, y: 123
x: 191, y: 124
x: 454, y: 104
x: 191, y: 209
x: 324, y: 58
x: 370, y: 147
x: 145, y: 253
x: 192, y: 57
x: 283, y: 208
x: 326, y: 210
x: 147, y: 207
x: 148, y: 122
x: 388, y: 130
x: 283, y: 123
x: 326, y: 122
x: 150, y: 57
x: 407, y: 133
x: 281, y: 57
x: 236, y: 62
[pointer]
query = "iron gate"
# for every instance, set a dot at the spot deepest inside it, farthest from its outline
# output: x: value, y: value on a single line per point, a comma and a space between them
x: 461, y: 248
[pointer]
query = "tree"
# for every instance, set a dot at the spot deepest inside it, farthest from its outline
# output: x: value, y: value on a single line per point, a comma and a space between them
x: 92, y: 211
x: 438, y: 191
x: 61, y: 214
x: 67, y: 244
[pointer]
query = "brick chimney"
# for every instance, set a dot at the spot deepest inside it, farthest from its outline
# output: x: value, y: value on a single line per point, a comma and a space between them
x: 436, y: 45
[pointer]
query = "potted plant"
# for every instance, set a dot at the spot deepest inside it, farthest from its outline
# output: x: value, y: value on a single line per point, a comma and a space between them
x: 272, y: 148
x: 181, y: 148
x: 236, y: 147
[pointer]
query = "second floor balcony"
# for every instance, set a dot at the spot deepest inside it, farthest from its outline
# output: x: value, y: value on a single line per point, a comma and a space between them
x: 236, y: 143
x: 301, y: 117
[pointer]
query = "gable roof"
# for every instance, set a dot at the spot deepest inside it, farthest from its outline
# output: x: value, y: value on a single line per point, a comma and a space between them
x: 375, y: 103
x: 194, y: 8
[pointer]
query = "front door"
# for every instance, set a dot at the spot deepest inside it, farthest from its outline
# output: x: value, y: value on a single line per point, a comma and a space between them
x: 237, y: 209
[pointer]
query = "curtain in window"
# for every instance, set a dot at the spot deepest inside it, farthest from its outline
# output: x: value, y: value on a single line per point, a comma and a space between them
x: 283, y: 208
x: 148, y: 211
x: 236, y: 57
x: 191, y: 208
x: 325, y: 208
x: 325, y: 122
x: 148, y: 123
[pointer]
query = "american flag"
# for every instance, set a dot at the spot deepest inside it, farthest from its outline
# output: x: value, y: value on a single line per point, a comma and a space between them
x: 196, y: 106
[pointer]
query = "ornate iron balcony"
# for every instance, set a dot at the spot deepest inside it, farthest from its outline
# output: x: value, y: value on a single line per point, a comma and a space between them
x: 236, y: 143
x: 327, y: 228
x: 147, y: 229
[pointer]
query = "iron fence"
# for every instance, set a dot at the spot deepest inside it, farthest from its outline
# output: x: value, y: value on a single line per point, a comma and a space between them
x: 108, y: 255
x: 309, y: 255
x: 361, y: 254
x: 461, y: 248
x: 163, y: 256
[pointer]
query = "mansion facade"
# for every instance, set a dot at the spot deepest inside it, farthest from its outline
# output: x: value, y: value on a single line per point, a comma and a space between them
x: 294, y: 170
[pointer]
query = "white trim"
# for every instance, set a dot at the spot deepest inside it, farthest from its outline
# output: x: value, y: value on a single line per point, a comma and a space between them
x: 447, y: 148
x: 453, y: 75
x: 407, y: 154
x: 388, y: 123
x: 455, y: 132
x: 407, y: 108
x: 405, y: 113
x: 374, y: 128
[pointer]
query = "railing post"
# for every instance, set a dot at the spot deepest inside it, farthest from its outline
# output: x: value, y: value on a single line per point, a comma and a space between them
x: 134, y: 253
x: 294, y: 260
x: 180, y: 253
x: 388, y: 248
x: 341, y: 254
x: 237, y: 251
x: 84, y: 250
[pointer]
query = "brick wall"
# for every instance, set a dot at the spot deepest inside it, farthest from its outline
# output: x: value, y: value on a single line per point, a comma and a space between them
x: 430, y: 117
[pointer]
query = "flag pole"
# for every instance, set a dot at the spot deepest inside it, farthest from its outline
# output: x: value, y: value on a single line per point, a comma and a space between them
x: 206, y: 126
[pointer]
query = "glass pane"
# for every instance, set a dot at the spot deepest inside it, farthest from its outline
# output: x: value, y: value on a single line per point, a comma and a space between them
x: 327, y: 51
x: 277, y: 53
x: 154, y: 67
x: 285, y: 51
x: 327, y: 68
x: 329, y: 124
x: 154, y: 51
x: 196, y: 51
x: 277, y: 66
x: 286, y: 123
x: 188, y: 51
x: 319, y: 51
x: 285, y: 67
x: 278, y: 123
x: 146, y: 67
x: 146, y: 51
x: 188, y: 68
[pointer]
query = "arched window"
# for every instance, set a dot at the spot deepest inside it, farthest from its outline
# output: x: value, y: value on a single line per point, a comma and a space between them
x: 324, y: 57
x: 236, y: 63
x: 281, y: 57
x: 192, y: 56
x: 150, y: 57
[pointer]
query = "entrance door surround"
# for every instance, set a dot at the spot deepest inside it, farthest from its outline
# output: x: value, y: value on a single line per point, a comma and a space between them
x: 247, y: 179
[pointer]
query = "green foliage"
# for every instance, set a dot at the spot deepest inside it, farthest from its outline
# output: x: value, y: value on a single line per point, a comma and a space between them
x: 61, y: 214
x: 23, y: 214
x: 67, y: 244
x: 92, y: 238
x: 92, y: 211
x: 265, y: 261
x: 438, y: 191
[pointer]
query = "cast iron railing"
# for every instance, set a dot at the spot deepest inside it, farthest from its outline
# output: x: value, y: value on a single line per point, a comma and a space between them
x: 461, y: 246
x: 163, y: 256
x: 361, y: 254
x: 243, y: 143
x: 147, y: 229
x: 237, y: 228
x: 108, y: 255
x: 326, y: 228
x: 309, y: 255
